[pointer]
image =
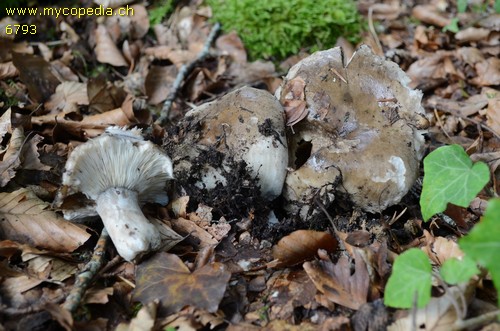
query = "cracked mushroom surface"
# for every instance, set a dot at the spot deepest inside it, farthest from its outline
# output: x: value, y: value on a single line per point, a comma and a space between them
x: 355, y: 130
x: 231, y: 146
x: 121, y: 171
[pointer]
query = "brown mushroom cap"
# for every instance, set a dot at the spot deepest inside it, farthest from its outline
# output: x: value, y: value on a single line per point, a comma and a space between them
x: 361, y: 135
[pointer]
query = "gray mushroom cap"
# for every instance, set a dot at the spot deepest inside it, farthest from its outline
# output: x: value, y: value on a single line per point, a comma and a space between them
x: 120, y: 172
x: 361, y: 135
x: 119, y: 158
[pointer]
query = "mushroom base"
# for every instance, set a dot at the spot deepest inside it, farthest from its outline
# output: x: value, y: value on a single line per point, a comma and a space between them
x: 130, y: 231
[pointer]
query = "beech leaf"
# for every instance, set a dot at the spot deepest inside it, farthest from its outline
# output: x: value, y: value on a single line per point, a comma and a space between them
x: 302, y: 245
x: 166, y: 278
x: 25, y: 218
x: 450, y: 177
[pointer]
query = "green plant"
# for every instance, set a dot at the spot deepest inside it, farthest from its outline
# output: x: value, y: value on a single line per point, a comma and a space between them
x: 278, y: 28
x: 157, y: 14
x: 448, y: 170
x: 475, y: 7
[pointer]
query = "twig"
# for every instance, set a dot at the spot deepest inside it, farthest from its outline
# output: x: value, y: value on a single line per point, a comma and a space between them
x: 84, y: 279
x: 183, y: 72
x: 476, y: 321
x: 373, y: 32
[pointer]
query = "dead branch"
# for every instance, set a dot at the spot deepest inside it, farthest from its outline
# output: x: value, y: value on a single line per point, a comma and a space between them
x: 84, y: 279
x: 185, y: 70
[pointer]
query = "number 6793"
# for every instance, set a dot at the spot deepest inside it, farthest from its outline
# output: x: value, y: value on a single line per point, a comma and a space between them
x: 20, y: 29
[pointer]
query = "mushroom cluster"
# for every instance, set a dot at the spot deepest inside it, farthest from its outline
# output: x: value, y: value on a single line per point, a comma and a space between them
x: 121, y: 171
x: 358, y: 131
x: 243, y: 130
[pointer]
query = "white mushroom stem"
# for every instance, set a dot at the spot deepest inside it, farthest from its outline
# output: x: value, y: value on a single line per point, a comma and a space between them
x: 129, y: 229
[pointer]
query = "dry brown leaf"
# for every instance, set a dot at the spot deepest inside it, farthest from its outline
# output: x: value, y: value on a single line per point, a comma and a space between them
x: 5, y: 124
x: 37, y: 75
x: 104, y: 95
x: 159, y: 82
x: 488, y: 72
x: 430, y: 14
x: 187, y: 227
x: 440, y: 314
x: 106, y: 50
x: 493, y: 109
x: 291, y: 290
x: 139, y: 24
x: 337, y: 283
x: 179, y: 206
x: 302, y: 245
x: 166, y: 278
x: 8, y: 70
x: 143, y: 321
x: 25, y: 218
x: 232, y: 45
x: 98, y: 295
x: 11, y: 160
x: 69, y: 95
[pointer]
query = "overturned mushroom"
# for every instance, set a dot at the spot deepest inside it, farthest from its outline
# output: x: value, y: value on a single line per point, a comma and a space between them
x: 240, y: 136
x: 120, y: 172
x: 359, y: 134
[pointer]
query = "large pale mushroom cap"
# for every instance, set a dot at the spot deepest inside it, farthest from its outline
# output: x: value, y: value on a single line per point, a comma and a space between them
x: 119, y: 158
x: 361, y: 135
x: 246, y: 125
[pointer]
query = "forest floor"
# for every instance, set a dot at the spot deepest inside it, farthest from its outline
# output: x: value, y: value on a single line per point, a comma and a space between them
x: 75, y: 77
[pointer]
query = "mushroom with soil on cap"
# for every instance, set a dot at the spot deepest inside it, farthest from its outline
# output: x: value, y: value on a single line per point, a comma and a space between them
x: 121, y: 171
x: 358, y: 132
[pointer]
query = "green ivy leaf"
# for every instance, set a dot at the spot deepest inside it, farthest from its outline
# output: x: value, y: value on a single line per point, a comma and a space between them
x: 455, y: 271
x: 450, y: 177
x: 411, y: 275
x: 483, y: 242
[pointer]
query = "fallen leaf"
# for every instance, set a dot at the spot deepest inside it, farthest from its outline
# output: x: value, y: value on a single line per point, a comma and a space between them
x: 106, y: 50
x: 337, y: 282
x: 166, y: 278
x: 25, y: 218
x: 37, y: 75
x: 143, y: 321
x: 302, y: 245
x: 68, y: 96
x: 159, y: 82
x: 103, y: 95
x: 440, y: 314
x: 232, y: 45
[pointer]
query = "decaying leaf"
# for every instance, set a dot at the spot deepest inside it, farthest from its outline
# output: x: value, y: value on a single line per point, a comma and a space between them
x: 302, y: 245
x: 440, y: 314
x: 68, y: 96
x: 106, y: 50
x: 37, y: 74
x: 145, y: 319
x: 25, y: 218
x: 337, y: 283
x: 293, y: 100
x: 166, y: 278
x: 21, y: 153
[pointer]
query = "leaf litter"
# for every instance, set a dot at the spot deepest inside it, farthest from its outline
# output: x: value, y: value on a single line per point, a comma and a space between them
x: 112, y: 72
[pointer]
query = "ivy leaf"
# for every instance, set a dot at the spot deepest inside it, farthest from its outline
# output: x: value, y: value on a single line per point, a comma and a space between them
x: 450, y: 177
x: 483, y: 242
x: 455, y: 271
x: 411, y: 275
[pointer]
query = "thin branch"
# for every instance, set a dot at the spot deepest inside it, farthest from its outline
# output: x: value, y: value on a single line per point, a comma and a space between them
x: 185, y: 70
x: 84, y: 279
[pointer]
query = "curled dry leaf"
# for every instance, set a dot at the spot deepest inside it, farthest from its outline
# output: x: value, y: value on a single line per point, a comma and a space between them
x: 37, y: 74
x: 106, y: 50
x: 337, y: 282
x: 302, y: 245
x: 8, y: 70
x: 293, y: 100
x: 68, y: 96
x: 166, y: 278
x: 25, y: 218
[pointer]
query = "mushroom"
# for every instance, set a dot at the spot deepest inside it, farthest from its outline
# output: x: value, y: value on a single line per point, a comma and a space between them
x: 356, y: 131
x: 121, y: 171
x: 243, y: 129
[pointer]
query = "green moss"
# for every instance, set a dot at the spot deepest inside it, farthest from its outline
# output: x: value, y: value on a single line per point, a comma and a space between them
x: 278, y: 28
